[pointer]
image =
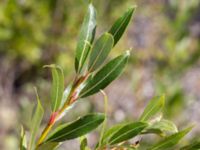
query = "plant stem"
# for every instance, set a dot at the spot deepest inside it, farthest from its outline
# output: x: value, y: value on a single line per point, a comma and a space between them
x: 56, y: 115
x: 44, y: 133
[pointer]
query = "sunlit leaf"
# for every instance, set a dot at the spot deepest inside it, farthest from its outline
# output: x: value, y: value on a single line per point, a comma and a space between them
x: 121, y: 24
x: 162, y: 127
x: 77, y: 128
x: 85, y: 38
x: 154, y: 106
x: 105, y: 75
x: 100, y: 51
x: 57, y: 86
x: 170, y: 141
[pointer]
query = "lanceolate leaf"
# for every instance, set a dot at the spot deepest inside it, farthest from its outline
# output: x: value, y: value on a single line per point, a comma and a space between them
x: 127, y: 132
x: 85, y: 38
x: 36, y: 120
x: 57, y: 86
x: 162, y: 127
x: 121, y: 24
x: 105, y: 75
x: 170, y: 141
x: 77, y: 128
x: 153, y: 107
x: 100, y: 51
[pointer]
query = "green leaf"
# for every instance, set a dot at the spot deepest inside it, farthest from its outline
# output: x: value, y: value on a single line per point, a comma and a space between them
x: 105, y: 120
x: 100, y: 51
x: 57, y: 86
x: 110, y: 132
x: 85, y: 38
x: 161, y: 127
x: 23, y: 141
x: 193, y: 146
x: 48, y: 146
x: 127, y: 132
x: 153, y: 107
x: 170, y: 141
x: 36, y: 120
x: 105, y: 75
x: 121, y: 24
x: 77, y: 128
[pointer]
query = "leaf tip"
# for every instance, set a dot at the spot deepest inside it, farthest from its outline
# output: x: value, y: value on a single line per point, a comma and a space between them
x: 132, y: 8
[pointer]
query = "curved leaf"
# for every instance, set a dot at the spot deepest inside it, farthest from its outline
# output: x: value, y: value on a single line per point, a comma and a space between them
x: 127, y: 132
x: 153, y: 107
x: 161, y: 128
x: 170, y: 141
x: 105, y: 75
x: 57, y: 86
x: 77, y: 128
x: 121, y: 24
x: 100, y: 51
x: 85, y: 38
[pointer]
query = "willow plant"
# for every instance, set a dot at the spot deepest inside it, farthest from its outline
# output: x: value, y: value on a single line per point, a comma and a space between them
x: 92, y: 76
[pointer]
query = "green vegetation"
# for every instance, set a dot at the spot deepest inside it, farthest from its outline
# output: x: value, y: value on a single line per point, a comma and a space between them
x: 163, y: 40
x: 91, y: 78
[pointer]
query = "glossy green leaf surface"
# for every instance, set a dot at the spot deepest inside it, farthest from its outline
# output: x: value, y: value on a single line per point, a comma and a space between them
x: 100, y: 51
x: 154, y: 106
x: 162, y: 127
x: 57, y: 86
x: 86, y: 37
x: 105, y: 75
x: 77, y: 128
x: 170, y: 141
x: 121, y: 24
x: 36, y: 120
x: 127, y: 132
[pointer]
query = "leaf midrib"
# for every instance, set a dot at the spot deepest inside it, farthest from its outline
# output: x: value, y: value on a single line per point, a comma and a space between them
x: 127, y: 133
x: 101, y: 79
x: 152, y: 108
x: 74, y: 130
x: 121, y: 25
x: 101, y: 50
x: 87, y: 35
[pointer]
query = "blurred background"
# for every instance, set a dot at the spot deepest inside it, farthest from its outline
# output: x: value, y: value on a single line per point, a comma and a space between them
x: 164, y: 35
